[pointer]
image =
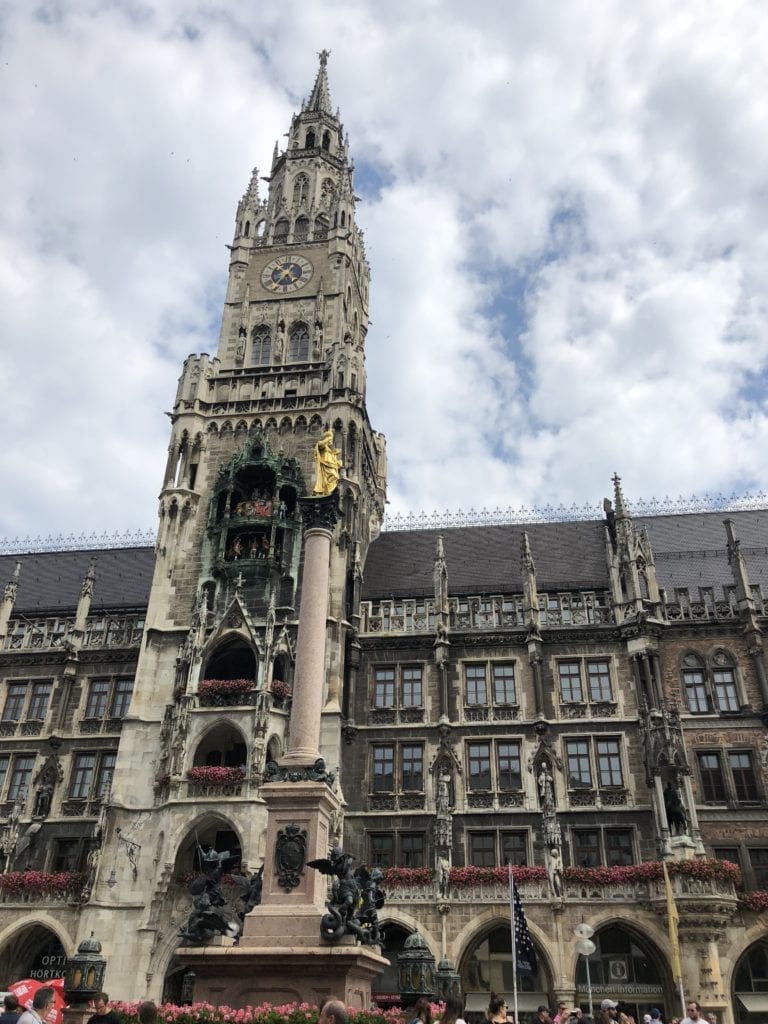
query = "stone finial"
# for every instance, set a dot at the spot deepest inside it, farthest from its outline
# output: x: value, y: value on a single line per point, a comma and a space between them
x: 12, y: 585
x: 320, y: 97
x: 618, y: 498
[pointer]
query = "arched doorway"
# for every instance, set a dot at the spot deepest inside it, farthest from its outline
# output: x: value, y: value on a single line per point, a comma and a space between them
x: 384, y: 988
x: 625, y: 967
x: 487, y: 967
x: 32, y: 952
x: 749, y: 997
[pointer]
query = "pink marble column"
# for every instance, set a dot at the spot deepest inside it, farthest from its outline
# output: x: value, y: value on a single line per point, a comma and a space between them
x: 309, y: 677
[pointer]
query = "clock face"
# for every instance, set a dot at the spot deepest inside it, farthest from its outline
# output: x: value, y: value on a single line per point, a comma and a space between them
x: 286, y: 274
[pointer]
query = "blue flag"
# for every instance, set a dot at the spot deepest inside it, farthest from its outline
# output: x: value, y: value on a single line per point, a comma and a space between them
x: 524, y: 951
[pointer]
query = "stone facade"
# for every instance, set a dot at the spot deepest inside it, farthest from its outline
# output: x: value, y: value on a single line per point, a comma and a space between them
x: 489, y: 693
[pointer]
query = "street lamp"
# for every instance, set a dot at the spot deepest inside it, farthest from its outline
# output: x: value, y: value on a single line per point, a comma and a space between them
x: 586, y: 947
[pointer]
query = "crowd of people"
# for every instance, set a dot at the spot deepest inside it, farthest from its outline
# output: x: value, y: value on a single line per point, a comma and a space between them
x: 43, y: 1002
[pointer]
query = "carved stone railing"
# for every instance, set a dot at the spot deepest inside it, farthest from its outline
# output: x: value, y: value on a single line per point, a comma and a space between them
x: 53, y: 632
x: 94, y: 726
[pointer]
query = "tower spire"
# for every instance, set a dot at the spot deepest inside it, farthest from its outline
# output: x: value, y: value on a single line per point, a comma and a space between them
x: 320, y: 98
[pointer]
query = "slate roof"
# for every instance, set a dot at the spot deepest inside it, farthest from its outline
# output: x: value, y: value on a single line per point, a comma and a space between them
x: 690, y: 551
x: 51, y: 581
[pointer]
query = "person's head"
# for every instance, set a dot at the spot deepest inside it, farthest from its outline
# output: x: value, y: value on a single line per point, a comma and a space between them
x: 655, y: 1013
x: 693, y: 1009
x: 497, y: 1006
x: 147, y: 1013
x: 101, y: 1002
x: 333, y: 1011
x: 711, y: 1018
x: 42, y: 1000
x: 610, y: 1007
x: 454, y: 1008
x: 11, y: 1003
x: 544, y: 1015
x: 562, y: 1008
x: 423, y: 1010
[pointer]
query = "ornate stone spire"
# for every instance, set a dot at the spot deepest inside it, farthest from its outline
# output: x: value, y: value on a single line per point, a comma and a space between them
x: 618, y: 498
x: 320, y: 97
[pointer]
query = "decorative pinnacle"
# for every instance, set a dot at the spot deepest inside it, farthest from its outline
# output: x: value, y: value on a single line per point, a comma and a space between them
x: 527, y: 556
x: 320, y: 98
x: 12, y: 585
x: 618, y: 498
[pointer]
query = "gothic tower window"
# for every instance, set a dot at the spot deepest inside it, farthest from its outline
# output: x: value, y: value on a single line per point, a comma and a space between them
x: 298, y: 348
x: 247, y: 228
x: 301, y: 189
x: 321, y: 229
x: 326, y: 141
x: 301, y: 229
x: 262, y: 346
x: 281, y: 231
x: 310, y: 140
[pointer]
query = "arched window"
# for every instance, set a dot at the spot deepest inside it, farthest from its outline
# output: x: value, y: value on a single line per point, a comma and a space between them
x: 261, y: 227
x: 301, y: 189
x: 262, y: 346
x: 247, y: 228
x: 321, y: 229
x: 281, y: 231
x: 326, y: 141
x: 301, y: 229
x: 343, y: 218
x: 695, y: 684
x: 298, y: 347
x: 309, y: 142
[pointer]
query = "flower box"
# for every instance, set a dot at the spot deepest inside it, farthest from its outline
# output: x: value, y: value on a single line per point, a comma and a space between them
x: 280, y: 689
x: 214, y: 693
x: 216, y: 775
x: 41, y: 883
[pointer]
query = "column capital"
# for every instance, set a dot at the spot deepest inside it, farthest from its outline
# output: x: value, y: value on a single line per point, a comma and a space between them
x: 320, y: 513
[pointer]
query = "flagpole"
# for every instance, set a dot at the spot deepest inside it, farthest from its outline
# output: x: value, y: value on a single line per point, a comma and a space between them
x: 514, y: 942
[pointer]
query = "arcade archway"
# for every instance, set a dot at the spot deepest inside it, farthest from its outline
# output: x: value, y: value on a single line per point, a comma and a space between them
x: 32, y: 952
x: 384, y: 988
x: 487, y: 967
x: 628, y: 968
x: 750, y: 984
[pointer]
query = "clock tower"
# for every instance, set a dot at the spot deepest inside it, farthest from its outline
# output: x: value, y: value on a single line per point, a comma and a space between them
x: 215, y: 673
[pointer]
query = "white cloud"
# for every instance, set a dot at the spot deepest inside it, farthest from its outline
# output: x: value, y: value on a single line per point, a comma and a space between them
x: 614, y: 165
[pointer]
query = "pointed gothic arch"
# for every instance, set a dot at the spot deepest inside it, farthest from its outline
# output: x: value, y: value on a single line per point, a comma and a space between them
x: 298, y: 344
x: 301, y: 189
x: 261, y: 345
x: 232, y: 657
x: 301, y: 229
x: 222, y: 744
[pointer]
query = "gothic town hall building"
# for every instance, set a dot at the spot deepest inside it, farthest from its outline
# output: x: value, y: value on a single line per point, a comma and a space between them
x: 584, y: 699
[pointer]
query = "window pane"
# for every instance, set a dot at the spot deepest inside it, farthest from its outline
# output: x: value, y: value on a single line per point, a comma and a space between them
x: 570, y: 681
x: 4, y: 763
x: 579, y: 771
x: 609, y: 763
x: 82, y: 776
x: 122, y: 698
x: 412, y: 850
x: 711, y: 773
x: 383, y: 769
x: 599, y: 680
x: 759, y: 860
x: 695, y: 691
x: 412, y: 767
x: 14, y: 702
x: 384, y: 688
x: 725, y: 690
x: 38, y: 703
x: 618, y: 847
x: 504, y: 684
x: 482, y: 849
x: 381, y: 850
x: 479, y: 766
x: 730, y: 853
x: 514, y: 847
x: 98, y: 694
x: 509, y: 766
x: 106, y: 771
x: 65, y: 855
x: 744, y: 781
x: 412, y: 688
x: 586, y: 849
x: 21, y: 777
x: 477, y: 692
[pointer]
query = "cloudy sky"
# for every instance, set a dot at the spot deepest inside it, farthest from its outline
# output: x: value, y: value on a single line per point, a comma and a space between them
x: 565, y: 208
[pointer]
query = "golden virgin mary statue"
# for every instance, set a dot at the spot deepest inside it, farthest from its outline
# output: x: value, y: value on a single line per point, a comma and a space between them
x: 328, y: 464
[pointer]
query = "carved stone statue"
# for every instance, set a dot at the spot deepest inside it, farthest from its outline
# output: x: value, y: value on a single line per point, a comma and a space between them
x: 677, y: 819
x: 555, y: 871
x: 43, y: 797
x: 354, y: 901
x: 443, y: 794
x: 546, y: 786
x: 327, y: 464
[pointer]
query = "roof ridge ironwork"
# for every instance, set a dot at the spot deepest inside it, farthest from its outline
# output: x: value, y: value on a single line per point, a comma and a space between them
x: 77, y: 542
